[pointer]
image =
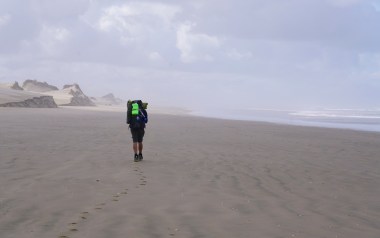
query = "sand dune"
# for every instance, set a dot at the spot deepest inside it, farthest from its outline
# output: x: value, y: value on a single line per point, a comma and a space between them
x: 10, y: 95
x: 69, y: 173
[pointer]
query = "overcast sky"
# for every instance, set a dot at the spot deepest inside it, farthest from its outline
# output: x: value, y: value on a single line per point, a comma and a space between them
x: 242, y: 53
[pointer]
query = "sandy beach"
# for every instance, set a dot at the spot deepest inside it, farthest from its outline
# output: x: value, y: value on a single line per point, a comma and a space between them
x: 70, y: 173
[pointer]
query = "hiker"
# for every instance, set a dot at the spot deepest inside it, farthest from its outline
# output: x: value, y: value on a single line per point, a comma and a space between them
x: 137, y: 117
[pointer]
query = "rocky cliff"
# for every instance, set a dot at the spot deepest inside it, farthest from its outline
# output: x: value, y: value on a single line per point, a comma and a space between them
x: 107, y: 100
x: 16, y: 86
x: 78, y: 97
x: 35, y: 102
x: 36, y: 86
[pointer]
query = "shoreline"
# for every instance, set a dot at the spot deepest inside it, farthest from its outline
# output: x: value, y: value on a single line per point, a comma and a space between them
x: 173, y: 111
x: 287, y: 117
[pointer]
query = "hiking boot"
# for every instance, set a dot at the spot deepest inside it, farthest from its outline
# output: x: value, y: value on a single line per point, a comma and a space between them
x: 136, y: 158
x: 140, y: 157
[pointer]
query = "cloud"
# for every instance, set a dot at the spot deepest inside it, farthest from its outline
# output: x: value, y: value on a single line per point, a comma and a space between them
x: 266, y: 52
x: 155, y: 56
x: 53, y: 11
x: 376, y: 5
x: 18, y: 25
x: 51, y: 39
x: 234, y: 54
x: 127, y: 32
x: 4, y: 19
x: 345, y: 3
x: 195, y: 46
x: 137, y: 18
x: 326, y: 23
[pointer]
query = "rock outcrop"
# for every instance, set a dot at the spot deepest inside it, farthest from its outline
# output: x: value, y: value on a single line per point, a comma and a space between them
x: 35, y: 102
x: 78, y: 97
x: 107, y: 100
x: 112, y: 99
x: 15, y: 86
x: 36, y: 86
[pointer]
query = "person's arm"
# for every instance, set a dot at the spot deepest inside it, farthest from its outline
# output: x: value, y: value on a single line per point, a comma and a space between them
x: 145, y: 115
x: 128, y: 117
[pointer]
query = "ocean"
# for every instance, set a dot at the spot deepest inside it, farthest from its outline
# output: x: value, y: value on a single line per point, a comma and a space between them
x: 363, y: 120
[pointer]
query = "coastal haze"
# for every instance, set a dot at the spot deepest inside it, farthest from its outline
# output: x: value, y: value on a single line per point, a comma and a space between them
x: 264, y: 118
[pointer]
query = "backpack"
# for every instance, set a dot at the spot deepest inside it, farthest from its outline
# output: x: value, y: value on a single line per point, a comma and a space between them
x: 142, y: 104
x: 137, y: 118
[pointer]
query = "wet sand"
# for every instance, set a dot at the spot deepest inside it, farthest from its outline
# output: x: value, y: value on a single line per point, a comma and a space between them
x: 70, y: 173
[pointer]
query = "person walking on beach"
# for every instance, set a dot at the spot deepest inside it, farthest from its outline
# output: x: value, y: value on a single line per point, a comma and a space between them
x: 137, y: 117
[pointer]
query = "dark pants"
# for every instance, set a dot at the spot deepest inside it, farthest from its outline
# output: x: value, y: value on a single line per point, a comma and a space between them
x: 137, y: 135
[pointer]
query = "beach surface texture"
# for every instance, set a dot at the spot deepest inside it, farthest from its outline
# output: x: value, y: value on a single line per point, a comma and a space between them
x: 70, y: 173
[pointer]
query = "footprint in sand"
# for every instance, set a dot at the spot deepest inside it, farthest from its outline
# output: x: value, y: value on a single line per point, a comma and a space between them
x: 72, y: 226
x: 84, y: 215
x: 173, y: 231
x: 71, y: 229
x: 143, y: 181
x: 115, y: 197
x: 99, y: 206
